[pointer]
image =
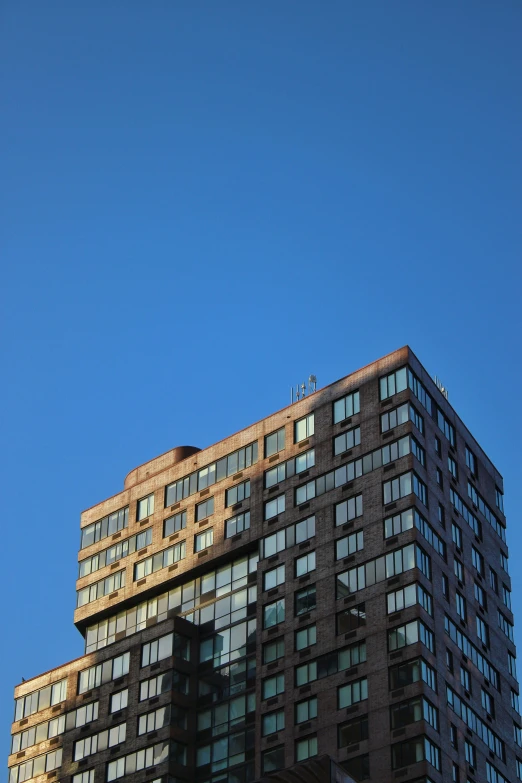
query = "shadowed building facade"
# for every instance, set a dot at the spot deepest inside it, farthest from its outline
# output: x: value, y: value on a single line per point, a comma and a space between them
x: 330, y: 583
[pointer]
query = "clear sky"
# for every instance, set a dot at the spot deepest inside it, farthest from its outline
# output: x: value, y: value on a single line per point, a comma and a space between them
x: 203, y: 202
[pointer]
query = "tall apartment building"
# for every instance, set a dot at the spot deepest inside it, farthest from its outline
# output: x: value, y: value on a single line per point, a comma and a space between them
x: 332, y: 580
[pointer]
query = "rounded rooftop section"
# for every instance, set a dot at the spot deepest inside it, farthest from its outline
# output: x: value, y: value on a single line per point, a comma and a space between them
x: 167, y: 460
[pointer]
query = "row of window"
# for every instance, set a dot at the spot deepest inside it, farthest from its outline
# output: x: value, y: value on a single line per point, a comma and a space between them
x: 181, y: 599
x: 404, y: 754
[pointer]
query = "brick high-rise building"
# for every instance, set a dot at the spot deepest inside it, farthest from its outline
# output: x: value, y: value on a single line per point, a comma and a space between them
x: 332, y: 580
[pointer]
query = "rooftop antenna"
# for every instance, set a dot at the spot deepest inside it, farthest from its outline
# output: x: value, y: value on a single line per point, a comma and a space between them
x: 302, y: 389
x: 440, y: 386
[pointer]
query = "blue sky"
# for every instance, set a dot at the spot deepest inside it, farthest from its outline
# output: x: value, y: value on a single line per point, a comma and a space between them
x: 202, y: 203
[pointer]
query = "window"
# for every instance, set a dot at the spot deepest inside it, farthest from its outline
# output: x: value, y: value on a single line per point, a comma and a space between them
x: 402, y: 486
x: 35, y: 766
x: 82, y: 715
x: 40, y: 699
x: 400, y: 415
x: 348, y: 510
x: 223, y: 717
x: 471, y: 461
x: 517, y: 731
x: 116, y: 552
x: 274, y: 507
x: 484, y: 509
x: 305, y: 600
x: 482, y: 631
x: 438, y: 447
x: 414, y: 750
x: 304, y: 428
x: 475, y: 723
x: 290, y: 468
x: 477, y: 560
x: 499, y: 499
x: 413, y: 710
x: 84, y: 777
x: 440, y: 481
x: 174, y: 524
x: 506, y: 596
x: 359, y: 766
x: 383, y: 567
x: 458, y: 568
x: 274, y: 442
x: 460, y: 605
x: 204, y: 540
x: 493, y: 580
x: 417, y: 669
x: 351, y: 619
x: 461, y: 508
x: 99, y: 589
x: 505, y: 626
x: 405, y: 520
x: 445, y: 586
x: 442, y: 515
x: 164, y: 647
x: 305, y: 748
x: 160, y: 560
x: 471, y: 651
x: 355, y: 730
x: 454, y: 737
x: 305, y: 564
x: 393, y: 383
x: 345, y: 407
x: 352, y: 693
x: 480, y: 595
x: 452, y: 467
x: 465, y: 679
x: 162, y: 683
x: 101, y: 673
x: 237, y: 524
x: 163, y: 716
x: 449, y: 660
x: 306, y: 710
x: 272, y: 651
x: 456, y: 535
x: 445, y: 427
x: 487, y: 702
x: 408, y: 596
x: 273, y: 759
x: 274, y: 577
x: 353, y: 469
x: 44, y: 731
x: 455, y: 773
x: 204, y: 509
x: 145, y: 507
x: 347, y: 440
x: 348, y: 545
x: 210, y: 474
x: 107, y: 526
x: 504, y: 562
x: 147, y: 757
x: 512, y: 665
x: 470, y: 753
x: 418, y: 452
x: 237, y: 494
x: 283, y: 539
x: 88, y: 746
x: 493, y: 775
x: 274, y: 613
x: 410, y: 633
x: 273, y: 722
x: 119, y: 700
x: 273, y: 686
x: 330, y: 663
x: 305, y: 637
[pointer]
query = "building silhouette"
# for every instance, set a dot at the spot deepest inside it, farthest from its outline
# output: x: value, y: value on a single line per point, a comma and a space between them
x: 331, y: 581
